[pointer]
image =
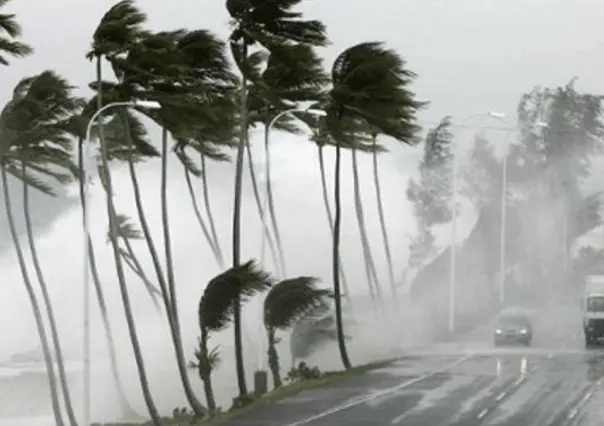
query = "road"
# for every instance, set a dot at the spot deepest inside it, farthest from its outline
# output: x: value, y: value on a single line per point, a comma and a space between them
x: 459, y: 385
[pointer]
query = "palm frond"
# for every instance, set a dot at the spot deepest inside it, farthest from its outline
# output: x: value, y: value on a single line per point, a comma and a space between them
x: 16, y: 49
x: 291, y: 299
x: 118, y: 29
x: 126, y: 229
x: 239, y: 282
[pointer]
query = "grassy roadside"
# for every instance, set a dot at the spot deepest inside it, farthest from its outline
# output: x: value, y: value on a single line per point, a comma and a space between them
x: 328, y: 378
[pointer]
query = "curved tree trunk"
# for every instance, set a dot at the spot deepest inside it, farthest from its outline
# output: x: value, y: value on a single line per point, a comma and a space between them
x: 380, y: 208
x: 271, y: 202
x: 237, y: 334
x: 273, y: 359
x: 125, y: 406
x: 207, y: 204
x: 265, y: 229
x: 52, y: 381
x: 202, y: 223
x: 54, y: 333
x: 114, y: 235
x: 336, y: 260
x: 370, y: 269
x: 169, y: 304
x: 330, y: 216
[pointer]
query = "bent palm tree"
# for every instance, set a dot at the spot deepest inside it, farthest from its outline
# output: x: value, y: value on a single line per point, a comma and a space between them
x: 30, y: 140
x: 264, y: 23
x: 287, y: 302
x: 216, y: 313
x: 369, y: 90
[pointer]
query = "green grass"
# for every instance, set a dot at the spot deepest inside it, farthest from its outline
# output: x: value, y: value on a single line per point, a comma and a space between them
x: 328, y: 378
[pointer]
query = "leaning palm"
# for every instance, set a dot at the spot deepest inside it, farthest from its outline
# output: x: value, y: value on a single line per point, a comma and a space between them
x: 216, y: 312
x: 34, y: 147
x: 10, y: 30
x: 265, y: 23
x: 287, y: 302
x: 369, y: 89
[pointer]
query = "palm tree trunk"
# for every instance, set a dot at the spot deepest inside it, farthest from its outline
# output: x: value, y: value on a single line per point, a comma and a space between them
x: 243, y: 129
x: 271, y: 202
x: 169, y: 306
x: 380, y: 208
x: 52, y: 381
x: 374, y: 285
x: 205, y: 373
x: 113, y: 235
x: 330, y: 216
x: 265, y: 229
x: 125, y: 406
x: 135, y: 266
x: 207, y: 204
x: 202, y: 223
x: 273, y: 360
x: 336, y: 260
x: 47, y: 302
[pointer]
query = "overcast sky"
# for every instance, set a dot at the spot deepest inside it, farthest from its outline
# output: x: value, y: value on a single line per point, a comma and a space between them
x: 471, y: 56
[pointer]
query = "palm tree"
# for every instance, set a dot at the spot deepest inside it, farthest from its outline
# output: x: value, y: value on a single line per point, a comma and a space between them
x: 32, y: 144
x: 369, y: 91
x: 118, y: 29
x: 293, y: 75
x: 166, y: 66
x: 287, y: 302
x: 266, y: 23
x: 216, y: 313
x: 10, y: 29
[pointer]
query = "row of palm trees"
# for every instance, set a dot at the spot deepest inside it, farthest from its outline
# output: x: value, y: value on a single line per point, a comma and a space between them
x: 207, y: 109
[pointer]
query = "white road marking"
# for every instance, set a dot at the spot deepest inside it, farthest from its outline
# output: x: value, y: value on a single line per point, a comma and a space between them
x: 501, y: 396
x: 483, y: 413
x: 378, y: 394
x: 576, y: 408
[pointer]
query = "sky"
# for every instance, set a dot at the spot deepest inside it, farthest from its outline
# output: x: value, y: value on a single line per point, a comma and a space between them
x: 471, y: 57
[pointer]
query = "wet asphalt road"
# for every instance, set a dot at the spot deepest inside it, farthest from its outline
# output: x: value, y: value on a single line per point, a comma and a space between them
x: 556, y: 386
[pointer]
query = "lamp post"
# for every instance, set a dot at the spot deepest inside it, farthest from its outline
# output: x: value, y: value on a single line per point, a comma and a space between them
x: 453, y: 242
x: 267, y: 202
x: 86, y: 231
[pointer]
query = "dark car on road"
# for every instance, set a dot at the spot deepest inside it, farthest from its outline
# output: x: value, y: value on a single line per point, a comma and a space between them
x: 513, y: 328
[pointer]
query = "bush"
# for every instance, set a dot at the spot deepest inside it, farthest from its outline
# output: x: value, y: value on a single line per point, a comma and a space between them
x: 303, y: 372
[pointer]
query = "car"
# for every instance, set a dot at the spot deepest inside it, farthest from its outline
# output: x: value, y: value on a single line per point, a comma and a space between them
x: 513, y: 327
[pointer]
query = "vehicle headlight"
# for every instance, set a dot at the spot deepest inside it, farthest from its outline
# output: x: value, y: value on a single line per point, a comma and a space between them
x: 523, y: 331
x: 498, y: 331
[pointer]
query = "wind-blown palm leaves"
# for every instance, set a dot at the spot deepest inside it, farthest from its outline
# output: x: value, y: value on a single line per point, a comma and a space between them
x: 287, y: 302
x: 266, y: 23
x: 217, y: 309
x: 369, y: 88
x: 34, y: 147
x: 10, y: 30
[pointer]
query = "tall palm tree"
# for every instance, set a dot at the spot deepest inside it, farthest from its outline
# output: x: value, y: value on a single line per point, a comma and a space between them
x: 32, y: 144
x: 216, y: 313
x: 261, y: 22
x: 186, y: 72
x: 370, y: 89
x: 118, y: 29
x: 10, y: 30
x: 293, y: 75
x: 287, y: 302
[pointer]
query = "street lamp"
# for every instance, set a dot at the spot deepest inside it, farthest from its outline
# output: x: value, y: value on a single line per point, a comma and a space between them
x: 312, y: 111
x: 86, y: 230
x: 453, y: 243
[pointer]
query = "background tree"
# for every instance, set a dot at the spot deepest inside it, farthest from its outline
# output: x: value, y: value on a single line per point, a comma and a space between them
x: 256, y: 21
x: 10, y: 31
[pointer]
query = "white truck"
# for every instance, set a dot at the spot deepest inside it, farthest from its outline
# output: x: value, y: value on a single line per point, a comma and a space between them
x: 593, y: 309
